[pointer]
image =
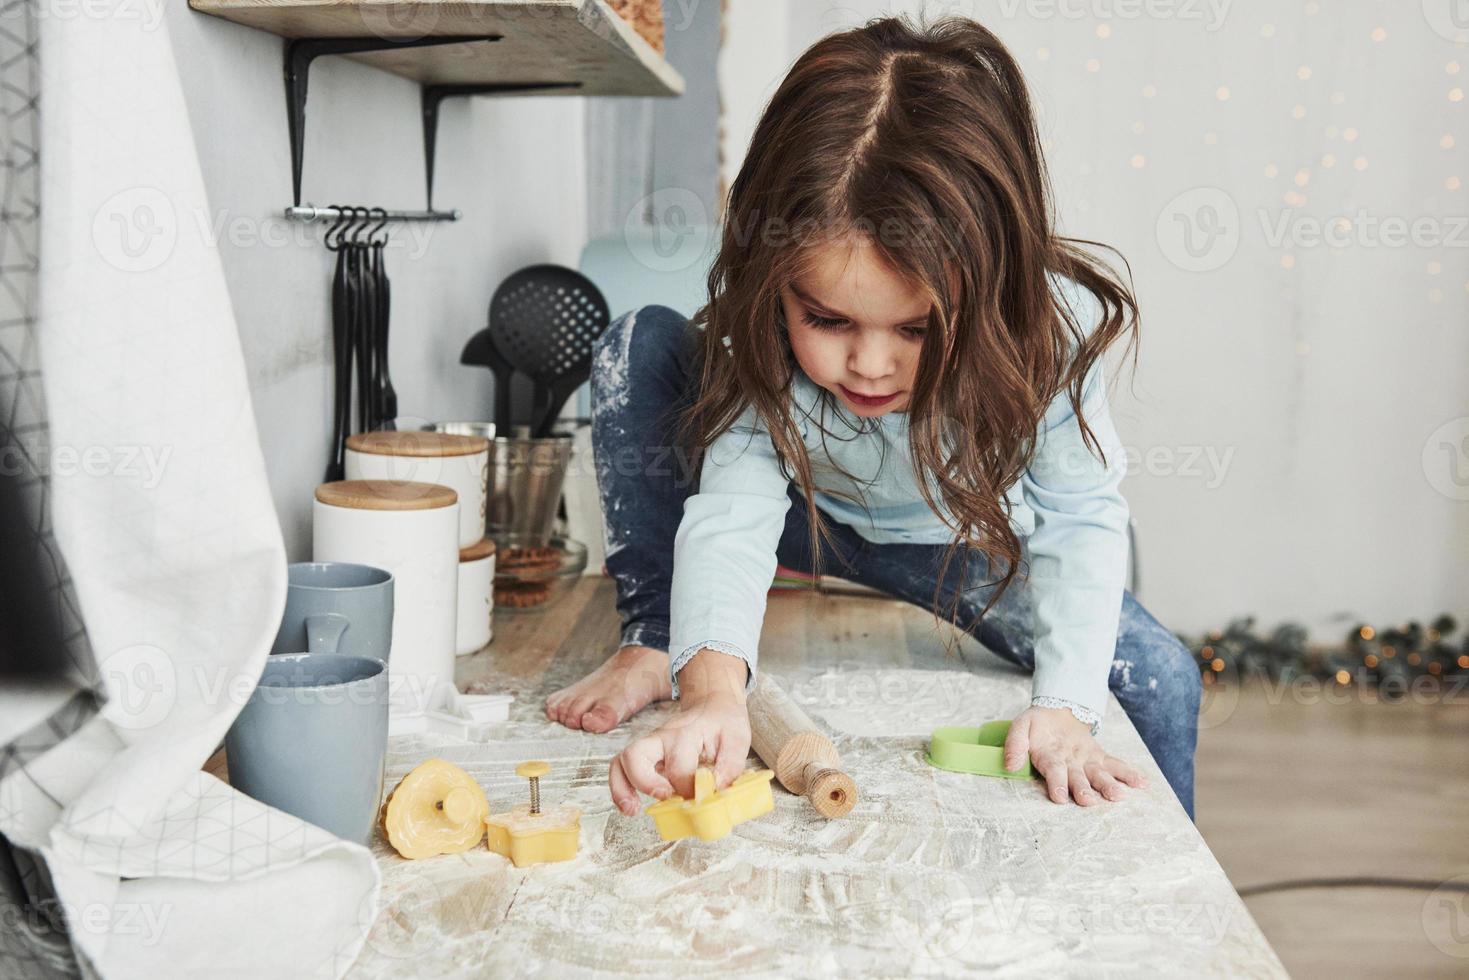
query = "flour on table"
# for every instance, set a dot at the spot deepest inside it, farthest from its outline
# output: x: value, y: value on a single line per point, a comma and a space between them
x: 931, y: 874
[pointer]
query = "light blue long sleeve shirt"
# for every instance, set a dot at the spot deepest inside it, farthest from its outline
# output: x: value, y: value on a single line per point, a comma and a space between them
x: 1067, y: 505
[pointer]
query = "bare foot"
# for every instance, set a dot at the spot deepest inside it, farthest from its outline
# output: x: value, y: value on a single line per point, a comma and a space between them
x: 630, y: 679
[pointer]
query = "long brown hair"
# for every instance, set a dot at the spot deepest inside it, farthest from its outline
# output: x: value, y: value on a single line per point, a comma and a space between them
x: 918, y: 140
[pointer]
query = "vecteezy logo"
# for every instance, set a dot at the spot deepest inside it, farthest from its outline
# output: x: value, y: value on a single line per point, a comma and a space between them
x: 667, y: 230
x: 932, y: 917
x: 399, y: 21
x: 1446, y: 459
x: 141, y: 686
x: 1218, y: 701
x: 1446, y: 917
x: 1199, y: 230
x: 135, y: 230
x: 1448, y: 18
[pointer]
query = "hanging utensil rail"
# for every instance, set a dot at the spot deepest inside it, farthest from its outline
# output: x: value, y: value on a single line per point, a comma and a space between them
x: 309, y: 212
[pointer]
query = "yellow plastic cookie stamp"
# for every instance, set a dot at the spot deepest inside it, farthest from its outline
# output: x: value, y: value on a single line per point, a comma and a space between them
x: 526, y: 834
x: 712, y: 813
x: 437, y: 808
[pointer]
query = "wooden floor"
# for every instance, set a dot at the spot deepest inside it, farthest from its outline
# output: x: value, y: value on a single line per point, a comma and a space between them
x: 1291, y: 785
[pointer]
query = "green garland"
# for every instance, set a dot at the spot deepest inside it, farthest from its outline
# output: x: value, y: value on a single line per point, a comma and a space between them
x: 1388, y: 659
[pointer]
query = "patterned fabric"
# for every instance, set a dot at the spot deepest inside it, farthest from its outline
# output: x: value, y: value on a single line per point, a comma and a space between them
x: 161, y: 501
x: 34, y: 943
x: 22, y: 407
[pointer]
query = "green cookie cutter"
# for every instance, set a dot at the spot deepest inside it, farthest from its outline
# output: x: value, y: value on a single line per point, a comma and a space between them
x: 980, y: 751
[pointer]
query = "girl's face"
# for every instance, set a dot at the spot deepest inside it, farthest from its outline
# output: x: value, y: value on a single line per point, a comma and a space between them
x: 856, y: 328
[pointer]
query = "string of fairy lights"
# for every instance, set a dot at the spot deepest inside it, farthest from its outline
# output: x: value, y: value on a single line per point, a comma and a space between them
x: 1391, y: 660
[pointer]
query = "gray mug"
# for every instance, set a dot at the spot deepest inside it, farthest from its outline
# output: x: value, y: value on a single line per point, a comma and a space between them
x: 337, y: 607
x: 313, y: 740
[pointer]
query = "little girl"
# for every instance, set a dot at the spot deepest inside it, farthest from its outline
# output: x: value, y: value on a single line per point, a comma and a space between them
x: 898, y: 379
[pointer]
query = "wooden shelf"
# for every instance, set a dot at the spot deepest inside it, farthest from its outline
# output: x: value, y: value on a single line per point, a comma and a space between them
x: 544, y: 41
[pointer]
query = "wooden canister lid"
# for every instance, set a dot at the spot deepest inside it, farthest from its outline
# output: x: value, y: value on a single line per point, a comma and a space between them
x: 483, y: 548
x: 386, y: 495
x: 423, y: 444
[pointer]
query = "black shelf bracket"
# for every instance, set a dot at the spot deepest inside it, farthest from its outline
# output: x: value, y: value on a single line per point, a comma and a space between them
x: 301, y: 52
x: 434, y: 95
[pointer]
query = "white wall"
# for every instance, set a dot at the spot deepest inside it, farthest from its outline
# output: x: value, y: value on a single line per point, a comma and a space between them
x: 1333, y: 380
x: 515, y: 166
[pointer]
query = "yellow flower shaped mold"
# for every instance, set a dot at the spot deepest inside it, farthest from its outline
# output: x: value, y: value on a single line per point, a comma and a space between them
x: 712, y: 813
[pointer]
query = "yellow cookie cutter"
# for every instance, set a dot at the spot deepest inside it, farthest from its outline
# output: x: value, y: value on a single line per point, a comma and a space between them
x: 526, y: 834
x: 712, y: 813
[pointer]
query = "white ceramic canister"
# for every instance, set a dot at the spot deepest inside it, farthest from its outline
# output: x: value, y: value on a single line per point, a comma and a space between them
x: 410, y: 529
x: 476, y: 596
x: 461, y: 463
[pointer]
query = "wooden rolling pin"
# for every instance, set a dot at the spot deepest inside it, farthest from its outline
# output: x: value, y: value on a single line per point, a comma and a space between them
x: 803, y: 759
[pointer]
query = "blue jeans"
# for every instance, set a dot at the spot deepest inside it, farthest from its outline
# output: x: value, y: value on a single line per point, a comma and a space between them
x: 643, y: 374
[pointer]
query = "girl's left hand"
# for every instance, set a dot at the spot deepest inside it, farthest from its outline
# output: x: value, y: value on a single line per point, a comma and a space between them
x: 1062, y: 750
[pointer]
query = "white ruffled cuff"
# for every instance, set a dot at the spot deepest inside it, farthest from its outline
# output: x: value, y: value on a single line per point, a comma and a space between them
x: 1082, y: 713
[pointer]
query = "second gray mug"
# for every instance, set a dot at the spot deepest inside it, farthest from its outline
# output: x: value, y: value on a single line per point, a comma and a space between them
x: 337, y: 607
x: 313, y: 740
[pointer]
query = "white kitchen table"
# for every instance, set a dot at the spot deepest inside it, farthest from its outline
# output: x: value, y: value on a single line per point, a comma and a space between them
x: 933, y: 873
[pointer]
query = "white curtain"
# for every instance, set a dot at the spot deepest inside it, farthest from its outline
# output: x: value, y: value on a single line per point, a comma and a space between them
x: 163, y: 513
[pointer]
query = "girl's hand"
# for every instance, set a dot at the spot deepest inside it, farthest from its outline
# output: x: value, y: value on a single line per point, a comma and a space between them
x: 712, y: 726
x: 1062, y: 750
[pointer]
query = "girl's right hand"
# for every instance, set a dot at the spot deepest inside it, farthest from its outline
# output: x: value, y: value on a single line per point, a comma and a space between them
x: 712, y: 725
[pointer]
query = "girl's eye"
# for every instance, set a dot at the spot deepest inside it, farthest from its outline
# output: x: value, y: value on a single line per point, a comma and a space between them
x: 822, y: 322
x: 915, y: 333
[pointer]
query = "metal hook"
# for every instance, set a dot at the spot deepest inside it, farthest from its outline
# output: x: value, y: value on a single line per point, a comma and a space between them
x: 380, y: 226
x: 335, y: 227
x: 362, y: 235
x: 359, y: 222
